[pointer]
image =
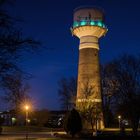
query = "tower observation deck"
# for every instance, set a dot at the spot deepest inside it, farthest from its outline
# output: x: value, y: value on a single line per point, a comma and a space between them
x: 89, y: 26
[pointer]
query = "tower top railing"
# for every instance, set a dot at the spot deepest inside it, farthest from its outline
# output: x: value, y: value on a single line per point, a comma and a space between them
x: 89, y: 7
x: 91, y: 22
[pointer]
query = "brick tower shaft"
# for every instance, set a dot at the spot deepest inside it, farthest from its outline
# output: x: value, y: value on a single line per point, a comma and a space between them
x: 88, y: 69
x: 89, y: 28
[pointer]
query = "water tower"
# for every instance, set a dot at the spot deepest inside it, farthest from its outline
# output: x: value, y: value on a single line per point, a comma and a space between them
x: 89, y: 27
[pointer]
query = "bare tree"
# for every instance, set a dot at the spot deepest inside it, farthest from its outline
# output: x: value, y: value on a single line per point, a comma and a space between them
x: 16, y: 92
x: 125, y: 71
x: 90, y: 110
x: 12, y: 41
x: 109, y: 89
x: 12, y: 46
x: 67, y: 92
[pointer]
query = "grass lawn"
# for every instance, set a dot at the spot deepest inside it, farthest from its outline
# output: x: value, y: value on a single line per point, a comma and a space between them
x: 41, y: 139
x: 30, y: 129
x: 107, y: 134
x: 93, y: 138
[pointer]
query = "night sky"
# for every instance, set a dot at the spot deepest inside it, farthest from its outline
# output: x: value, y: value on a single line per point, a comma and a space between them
x: 49, y: 21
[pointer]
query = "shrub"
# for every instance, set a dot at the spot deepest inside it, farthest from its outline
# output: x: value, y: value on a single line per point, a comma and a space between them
x: 1, y: 122
x: 73, y: 122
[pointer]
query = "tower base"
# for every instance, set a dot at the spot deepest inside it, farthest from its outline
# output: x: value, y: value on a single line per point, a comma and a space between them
x: 91, y: 114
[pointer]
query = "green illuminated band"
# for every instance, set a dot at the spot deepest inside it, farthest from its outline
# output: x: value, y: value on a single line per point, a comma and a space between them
x: 85, y: 22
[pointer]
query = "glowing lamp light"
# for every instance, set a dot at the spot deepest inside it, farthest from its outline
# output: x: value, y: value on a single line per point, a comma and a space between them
x: 83, y: 23
x: 75, y: 24
x: 28, y: 120
x: 119, y: 117
x: 103, y: 25
x: 26, y: 107
x: 13, y: 120
x: 100, y: 24
x: 92, y: 23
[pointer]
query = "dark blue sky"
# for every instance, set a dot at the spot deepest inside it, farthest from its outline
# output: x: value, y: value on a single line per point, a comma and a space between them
x: 49, y: 21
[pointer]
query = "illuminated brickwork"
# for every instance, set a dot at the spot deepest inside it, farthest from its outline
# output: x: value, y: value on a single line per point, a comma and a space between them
x: 89, y: 27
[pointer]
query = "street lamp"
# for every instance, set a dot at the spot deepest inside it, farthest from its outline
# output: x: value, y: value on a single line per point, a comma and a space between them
x: 119, y: 118
x: 96, y: 120
x: 26, y: 115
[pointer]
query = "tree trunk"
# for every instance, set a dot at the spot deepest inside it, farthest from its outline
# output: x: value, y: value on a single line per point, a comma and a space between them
x: 135, y: 123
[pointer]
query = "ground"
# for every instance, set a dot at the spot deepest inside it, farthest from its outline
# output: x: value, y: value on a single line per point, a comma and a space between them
x: 42, y: 133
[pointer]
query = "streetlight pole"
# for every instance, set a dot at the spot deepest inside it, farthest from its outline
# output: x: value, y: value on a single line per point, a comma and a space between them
x: 119, y: 118
x: 27, y: 113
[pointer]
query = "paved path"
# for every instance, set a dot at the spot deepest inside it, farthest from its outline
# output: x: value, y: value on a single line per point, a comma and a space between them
x: 39, y: 135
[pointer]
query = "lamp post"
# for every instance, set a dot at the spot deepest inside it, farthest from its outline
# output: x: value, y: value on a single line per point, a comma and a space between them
x: 119, y: 119
x: 26, y: 115
x: 96, y: 120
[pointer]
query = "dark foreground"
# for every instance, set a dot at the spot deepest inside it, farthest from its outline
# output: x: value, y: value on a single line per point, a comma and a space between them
x: 44, y: 136
x: 37, y: 133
